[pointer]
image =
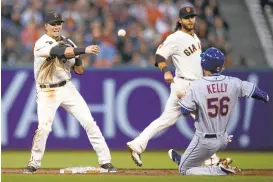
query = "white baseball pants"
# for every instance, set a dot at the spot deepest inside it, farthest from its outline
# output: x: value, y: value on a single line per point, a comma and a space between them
x: 167, y: 118
x: 67, y: 96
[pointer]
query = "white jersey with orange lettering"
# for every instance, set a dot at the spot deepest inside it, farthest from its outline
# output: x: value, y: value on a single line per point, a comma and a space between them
x: 47, y: 71
x: 54, y: 89
x: 184, y: 50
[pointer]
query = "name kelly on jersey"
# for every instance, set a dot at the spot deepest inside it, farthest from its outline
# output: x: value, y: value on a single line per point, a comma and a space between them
x: 217, y: 88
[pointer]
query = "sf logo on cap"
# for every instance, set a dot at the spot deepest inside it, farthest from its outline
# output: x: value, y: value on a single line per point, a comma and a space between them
x: 188, y: 10
x: 55, y: 15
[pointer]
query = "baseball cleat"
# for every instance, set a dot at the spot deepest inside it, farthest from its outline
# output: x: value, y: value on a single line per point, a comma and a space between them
x: 174, y: 156
x: 212, y: 161
x: 30, y: 170
x: 227, y: 161
x: 110, y: 167
x: 135, y: 155
x: 224, y: 164
x: 229, y: 169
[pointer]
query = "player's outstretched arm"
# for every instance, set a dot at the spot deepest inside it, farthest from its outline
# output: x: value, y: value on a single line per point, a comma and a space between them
x: 62, y: 51
x: 248, y: 89
x: 260, y: 95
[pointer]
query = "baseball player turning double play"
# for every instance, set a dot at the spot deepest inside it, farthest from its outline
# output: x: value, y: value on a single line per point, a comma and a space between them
x: 184, y: 48
x: 54, y: 57
x: 212, y: 99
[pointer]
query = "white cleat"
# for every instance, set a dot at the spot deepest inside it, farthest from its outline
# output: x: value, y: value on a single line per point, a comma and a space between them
x: 229, y: 169
x: 135, y: 155
x: 212, y: 161
x: 227, y: 161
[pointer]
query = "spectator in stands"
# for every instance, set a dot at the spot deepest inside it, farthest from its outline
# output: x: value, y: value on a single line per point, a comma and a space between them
x: 152, y: 10
x: 29, y: 35
x: 208, y: 15
x: 125, y: 49
x: 147, y: 24
x: 10, y: 55
x: 32, y: 12
x: 108, y: 56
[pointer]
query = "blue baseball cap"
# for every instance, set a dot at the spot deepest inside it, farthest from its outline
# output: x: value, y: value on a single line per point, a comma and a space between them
x: 212, y: 60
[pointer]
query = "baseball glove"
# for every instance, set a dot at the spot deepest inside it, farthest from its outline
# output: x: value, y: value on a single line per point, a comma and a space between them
x: 65, y: 42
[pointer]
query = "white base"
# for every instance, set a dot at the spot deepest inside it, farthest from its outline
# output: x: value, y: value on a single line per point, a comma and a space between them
x: 83, y: 170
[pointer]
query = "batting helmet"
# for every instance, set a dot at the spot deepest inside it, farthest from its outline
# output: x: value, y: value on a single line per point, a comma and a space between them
x: 212, y: 60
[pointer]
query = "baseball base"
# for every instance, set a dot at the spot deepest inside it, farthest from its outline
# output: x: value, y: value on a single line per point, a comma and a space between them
x: 83, y: 170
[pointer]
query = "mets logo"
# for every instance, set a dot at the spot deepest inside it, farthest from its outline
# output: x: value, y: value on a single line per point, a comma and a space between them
x: 188, y: 10
x: 55, y: 15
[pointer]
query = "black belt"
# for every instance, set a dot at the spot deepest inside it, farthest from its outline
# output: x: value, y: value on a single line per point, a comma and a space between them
x: 54, y: 85
x: 210, y: 136
x: 186, y: 78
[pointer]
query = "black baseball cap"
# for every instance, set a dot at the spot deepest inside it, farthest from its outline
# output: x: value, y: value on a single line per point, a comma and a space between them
x: 52, y: 17
x: 187, y: 11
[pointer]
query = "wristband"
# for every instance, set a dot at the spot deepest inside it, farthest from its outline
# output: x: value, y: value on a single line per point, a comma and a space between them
x: 165, y: 69
x: 78, y: 62
x: 79, y: 51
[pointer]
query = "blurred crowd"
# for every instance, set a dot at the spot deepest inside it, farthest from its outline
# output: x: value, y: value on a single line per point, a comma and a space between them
x: 147, y: 23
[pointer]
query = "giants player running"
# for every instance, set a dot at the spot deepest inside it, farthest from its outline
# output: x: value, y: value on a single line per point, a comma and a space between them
x: 184, y: 48
x: 213, y: 99
x: 52, y: 65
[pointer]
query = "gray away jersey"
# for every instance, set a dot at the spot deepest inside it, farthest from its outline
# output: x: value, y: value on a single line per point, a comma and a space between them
x: 213, y: 98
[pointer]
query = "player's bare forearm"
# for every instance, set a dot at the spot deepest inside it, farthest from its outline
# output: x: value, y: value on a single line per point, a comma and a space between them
x: 69, y: 52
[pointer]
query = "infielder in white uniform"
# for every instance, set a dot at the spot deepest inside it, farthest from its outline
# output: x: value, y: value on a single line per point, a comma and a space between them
x: 184, y: 48
x: 54, y: 58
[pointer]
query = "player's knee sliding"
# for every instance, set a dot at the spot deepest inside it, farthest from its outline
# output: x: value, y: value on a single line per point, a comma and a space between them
x: 182, y: 169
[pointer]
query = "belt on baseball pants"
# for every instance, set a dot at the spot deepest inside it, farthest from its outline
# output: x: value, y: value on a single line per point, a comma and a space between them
x: 62, y: 83
x: 209, y: 135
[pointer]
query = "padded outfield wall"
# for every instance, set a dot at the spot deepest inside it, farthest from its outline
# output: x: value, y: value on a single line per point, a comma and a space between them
x: 124, y: 102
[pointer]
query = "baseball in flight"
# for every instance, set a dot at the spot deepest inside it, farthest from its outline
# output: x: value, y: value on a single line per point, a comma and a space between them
x: 121, y: 32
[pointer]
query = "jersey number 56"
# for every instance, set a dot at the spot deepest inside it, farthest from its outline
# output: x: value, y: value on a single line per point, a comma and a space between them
x: 217, y: 106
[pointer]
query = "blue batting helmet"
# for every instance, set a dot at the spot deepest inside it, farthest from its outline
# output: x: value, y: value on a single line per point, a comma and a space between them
x: 212, y: 60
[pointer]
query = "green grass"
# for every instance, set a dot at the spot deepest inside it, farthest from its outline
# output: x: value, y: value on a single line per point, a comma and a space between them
x: 85, y: 178
x: 121, y: 159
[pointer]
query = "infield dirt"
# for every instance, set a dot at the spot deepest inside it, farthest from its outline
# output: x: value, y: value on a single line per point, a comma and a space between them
x: 138, y: 172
